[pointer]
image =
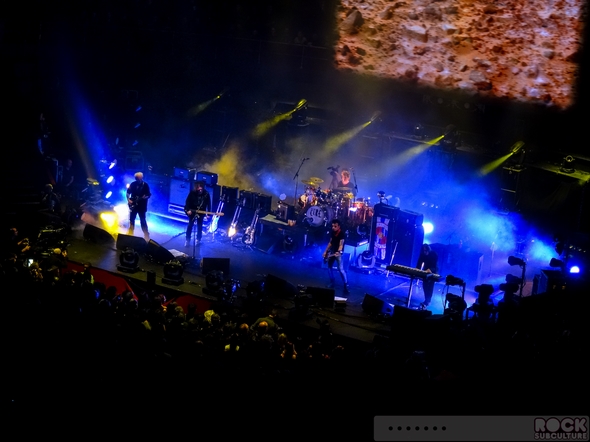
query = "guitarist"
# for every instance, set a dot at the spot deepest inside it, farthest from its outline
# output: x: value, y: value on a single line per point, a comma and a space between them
x: 198, y: 199
x: 138, y: 194
x: 333, y: 254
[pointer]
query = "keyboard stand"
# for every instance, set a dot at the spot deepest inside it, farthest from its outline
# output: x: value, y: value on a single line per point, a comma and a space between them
x: 410, y: 291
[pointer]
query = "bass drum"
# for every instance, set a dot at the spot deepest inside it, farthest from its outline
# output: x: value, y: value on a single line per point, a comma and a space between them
x: 317, y: 216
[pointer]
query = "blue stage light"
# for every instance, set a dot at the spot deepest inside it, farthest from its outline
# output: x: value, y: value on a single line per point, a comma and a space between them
x: 428, y: 228
x: 574, y: 269
x: 110, y: 179
x: 108, y: 195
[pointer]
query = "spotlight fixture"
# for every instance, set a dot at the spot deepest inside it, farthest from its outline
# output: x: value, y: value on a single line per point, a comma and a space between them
x: 129, y: 260
x: 453, y: 280
x: 173, y: 271
x: 300, y: 105
x: 515, y: 261
x: 375, y: 116
x: 516, y: 147
x: 566, y: 165
x: 556, y: 263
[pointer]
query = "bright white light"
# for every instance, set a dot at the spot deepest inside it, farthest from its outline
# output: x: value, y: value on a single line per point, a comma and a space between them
x: 110, y: 179
x: 113, y: 164
x: 109, y: 194
x: 231, y: 232
x: 574, y: 269
x: 428, y: 228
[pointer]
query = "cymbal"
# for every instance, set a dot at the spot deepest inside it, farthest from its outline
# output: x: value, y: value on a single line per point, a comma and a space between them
x: 308, y: 182
x: 315, y: 179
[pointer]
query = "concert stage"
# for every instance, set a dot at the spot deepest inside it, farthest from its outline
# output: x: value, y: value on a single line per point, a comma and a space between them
x: 364, y: 313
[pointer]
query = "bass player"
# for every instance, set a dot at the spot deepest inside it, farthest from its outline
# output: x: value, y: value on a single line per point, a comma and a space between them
x: 198, y: 200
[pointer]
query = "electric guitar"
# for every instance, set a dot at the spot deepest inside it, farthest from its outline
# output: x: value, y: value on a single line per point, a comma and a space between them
x: 215, y: 220
x: 248, y: 237
x: 134, y: 201
x: 327, y: 257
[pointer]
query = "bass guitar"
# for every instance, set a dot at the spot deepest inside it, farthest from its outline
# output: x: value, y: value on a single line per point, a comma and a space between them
x: 248, y: 237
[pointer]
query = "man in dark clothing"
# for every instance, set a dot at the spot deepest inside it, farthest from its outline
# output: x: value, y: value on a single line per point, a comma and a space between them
x: 333, y: 254
x: 138, y: 194
x: 198, y: 200
x: 428, y: 261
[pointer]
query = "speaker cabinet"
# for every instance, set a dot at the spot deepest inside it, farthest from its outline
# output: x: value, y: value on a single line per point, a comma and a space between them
x: 211, y: 264
x: 375, y: 306
x: 267, y: 240
x: 134, y: 242
x: 209, y: 178
x: 278, y: 287
x: 322, y: 297
x: 285, y: 212
x: 97, y: 235
x: 179, y: 190
x: 157, y: 253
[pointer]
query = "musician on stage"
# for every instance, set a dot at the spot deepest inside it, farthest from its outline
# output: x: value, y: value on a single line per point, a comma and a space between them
x: 333, y: 254
x: 198, y: 200
x: 138, y: 194
x: 428, y: 262
x: 344, y: 185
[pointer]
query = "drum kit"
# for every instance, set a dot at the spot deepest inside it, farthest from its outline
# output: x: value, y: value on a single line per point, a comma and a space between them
x: 322, y: 206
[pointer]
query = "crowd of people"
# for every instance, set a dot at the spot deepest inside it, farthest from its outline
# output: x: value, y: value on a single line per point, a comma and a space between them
x: 82, y: 333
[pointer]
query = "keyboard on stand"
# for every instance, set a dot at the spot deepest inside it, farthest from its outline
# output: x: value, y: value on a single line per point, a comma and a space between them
x: 412, y: 272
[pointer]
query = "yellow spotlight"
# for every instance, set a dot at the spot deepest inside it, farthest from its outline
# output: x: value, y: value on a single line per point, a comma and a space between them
x: 109, y: 220
x: 412, y: 152
x: 265, y: 126
x: 490, y: 167
x: 231, y: 232
x: 336, y: 141
x: 301, y: 103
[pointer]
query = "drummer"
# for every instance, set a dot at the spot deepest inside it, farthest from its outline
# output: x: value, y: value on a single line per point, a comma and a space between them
x: 344, y: 185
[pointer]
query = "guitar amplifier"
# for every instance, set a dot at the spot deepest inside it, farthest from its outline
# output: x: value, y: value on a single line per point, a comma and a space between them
x: 247, y: 199
x: 209, y: 178
x: 285, y: 212
x: 264, y: 202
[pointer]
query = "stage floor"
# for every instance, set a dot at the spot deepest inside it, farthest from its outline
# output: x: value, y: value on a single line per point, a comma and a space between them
x: 249, y: 264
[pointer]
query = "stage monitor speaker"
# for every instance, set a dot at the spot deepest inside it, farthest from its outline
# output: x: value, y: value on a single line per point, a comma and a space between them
x: 134, y: 242
x: 375, y: 306
x: 404, y: 315
x: 209, y: 178
x: 97, y: 235
x: 158, y: 253
x: 278, y: 287
x: 267, y: 240
x: 322, y: 297
x: 211, y: 264
x: 179, y: 190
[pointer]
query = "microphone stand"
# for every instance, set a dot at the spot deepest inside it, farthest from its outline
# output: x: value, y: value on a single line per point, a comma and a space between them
x: 297, y: 181
x: 356, y: 188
